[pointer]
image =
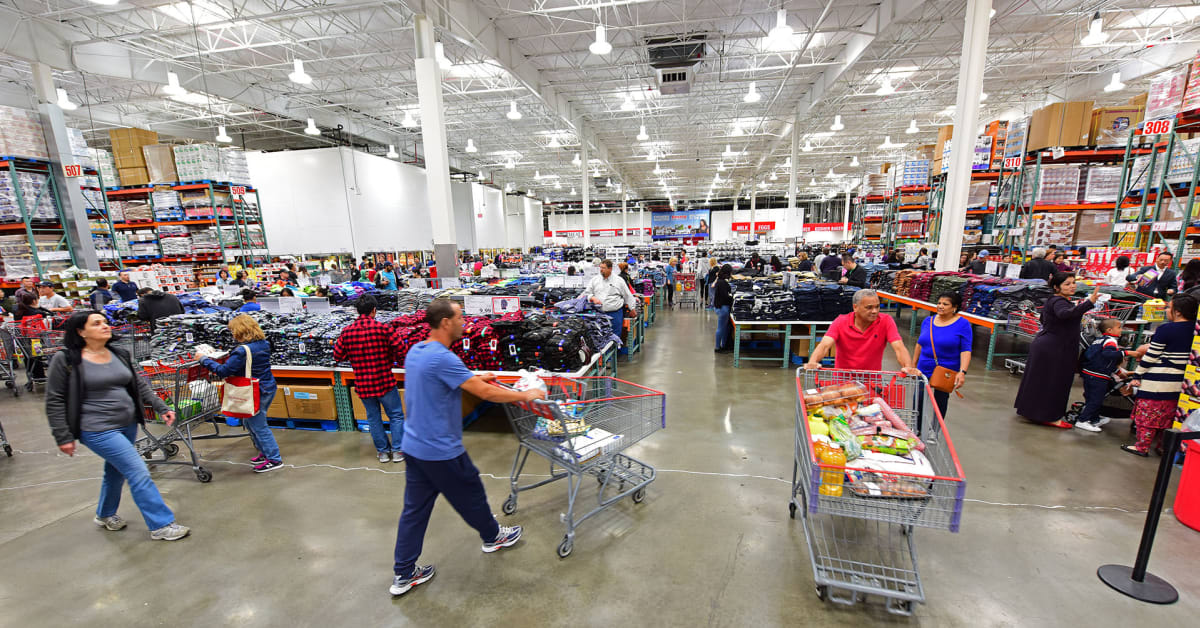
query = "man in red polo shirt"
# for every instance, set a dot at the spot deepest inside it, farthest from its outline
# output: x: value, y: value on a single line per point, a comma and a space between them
x: 860, y: 337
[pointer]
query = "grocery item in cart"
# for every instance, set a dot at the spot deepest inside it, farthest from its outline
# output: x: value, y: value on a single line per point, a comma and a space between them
x: 835, y: 394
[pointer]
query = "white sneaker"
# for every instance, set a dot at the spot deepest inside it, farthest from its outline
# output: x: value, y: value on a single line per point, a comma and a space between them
x: 171, y: 532
x: 385, y: 457
x: 1103, y: 421
x: 1086, y: 426
x: 111, y: 524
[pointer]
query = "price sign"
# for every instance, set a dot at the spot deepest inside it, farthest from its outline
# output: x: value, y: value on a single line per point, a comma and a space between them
x: 1167, y: 225
x: 1011, y: 163
x: 504, y: 305
x: 237, y: 190
x: 451, y: 282
x: 477, y: 305
x: 574, y: 281
x: 555, y: 281
x: 1126, y: 227
x: 1057, y: 152
x: 72, y: 170
x: 1158, y: 127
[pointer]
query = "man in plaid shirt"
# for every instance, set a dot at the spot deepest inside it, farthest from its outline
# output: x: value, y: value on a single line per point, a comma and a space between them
x: 371, y: 348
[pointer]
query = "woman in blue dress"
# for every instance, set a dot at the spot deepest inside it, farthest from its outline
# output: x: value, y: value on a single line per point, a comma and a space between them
x: 945, y: 341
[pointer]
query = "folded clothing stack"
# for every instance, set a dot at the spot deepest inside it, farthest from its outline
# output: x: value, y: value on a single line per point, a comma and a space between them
x: 947, y: 283
x: 902, y: 283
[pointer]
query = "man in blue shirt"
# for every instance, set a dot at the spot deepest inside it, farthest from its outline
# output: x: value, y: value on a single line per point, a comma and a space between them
x: 437, y: 461
x: 126, y: 289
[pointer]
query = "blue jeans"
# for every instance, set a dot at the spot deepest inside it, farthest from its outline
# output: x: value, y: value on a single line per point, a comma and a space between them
x: 618, y: 321
x: 260, y: 434
x: 723, y: 327
x: 395, y: 412
x: 121, y: 463
x: 424, y: 480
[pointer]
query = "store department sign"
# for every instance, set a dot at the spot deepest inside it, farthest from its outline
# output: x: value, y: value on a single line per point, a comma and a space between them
x: 690, y: 224
x: 823, y: 226
x: 759, y: 227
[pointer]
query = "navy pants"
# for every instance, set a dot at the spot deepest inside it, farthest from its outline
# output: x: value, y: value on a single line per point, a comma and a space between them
x: 458, y: 480
x: 1094, y: 391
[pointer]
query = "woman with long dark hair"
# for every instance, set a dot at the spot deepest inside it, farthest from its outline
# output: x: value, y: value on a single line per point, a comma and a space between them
x: 723, y: 303
x: 1189, y: 277
x: 1053, y: 355
x: 1118, y: 275
x: 95, y: 395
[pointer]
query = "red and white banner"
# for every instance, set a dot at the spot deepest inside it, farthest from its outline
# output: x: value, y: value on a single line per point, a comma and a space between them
x: 759, y: 227
x: 823, y: 226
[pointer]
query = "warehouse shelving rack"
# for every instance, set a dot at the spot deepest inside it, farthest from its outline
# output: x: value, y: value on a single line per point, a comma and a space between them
x: 100, y: 213
x: 860, y: 220
x: 892, y: 236
x: 937, y: 200
x: 1149, y: 227
x: 12, y: 167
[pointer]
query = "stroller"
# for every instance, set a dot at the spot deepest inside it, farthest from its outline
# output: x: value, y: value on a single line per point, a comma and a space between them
x: 1117, y: 404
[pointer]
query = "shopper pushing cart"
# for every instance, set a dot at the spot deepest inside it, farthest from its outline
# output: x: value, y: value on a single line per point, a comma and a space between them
x: 437, y: 462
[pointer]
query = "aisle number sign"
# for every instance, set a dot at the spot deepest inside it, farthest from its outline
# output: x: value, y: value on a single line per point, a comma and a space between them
x: 1158, y: 127
x: 72, y: 170
x: 237, y: 190
x: 1011, y: 163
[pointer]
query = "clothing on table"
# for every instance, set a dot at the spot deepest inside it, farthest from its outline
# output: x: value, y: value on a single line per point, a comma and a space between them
x: 390, y: 404
x: 434, y: 375
x: 1045, y: 388
x: 123, y: 463
x: 857, y: 277
x: 1154, y: 282
x: 861, y: 350
x: 99, y: 297
x: 613, y: 292
x: 1117, y: 277
x: 250, y: 307
x: 1038, y: 268
x: 127, y: 290
x: 948, y: 342
x: 372, y: 349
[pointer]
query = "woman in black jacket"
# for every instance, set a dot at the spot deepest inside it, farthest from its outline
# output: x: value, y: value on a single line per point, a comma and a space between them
x: 94, y: 395
x: 723, y: 303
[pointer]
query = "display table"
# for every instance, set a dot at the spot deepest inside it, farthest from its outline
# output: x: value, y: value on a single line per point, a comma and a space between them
x: 785, y: 334
x: 994, y: 326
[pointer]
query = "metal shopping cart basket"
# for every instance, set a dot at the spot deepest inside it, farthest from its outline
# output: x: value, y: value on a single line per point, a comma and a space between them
x: 8, y: 361
x: 581, y: 429
x: 687, y: 293
x: 194, y: 393
x: 35, y: 344
x: 859, y: 519
x: 134, y: 338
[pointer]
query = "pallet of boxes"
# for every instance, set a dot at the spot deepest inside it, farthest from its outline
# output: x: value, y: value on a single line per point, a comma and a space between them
x: 140, y: 158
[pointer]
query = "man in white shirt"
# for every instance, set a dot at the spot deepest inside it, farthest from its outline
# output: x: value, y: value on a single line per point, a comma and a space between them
x: 608, y: 291
x: 49, y: 300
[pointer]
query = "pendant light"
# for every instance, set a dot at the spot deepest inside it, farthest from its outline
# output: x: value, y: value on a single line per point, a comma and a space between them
x: 813, y: 182
x: 537, y: 175
x: 837, y: 124
x: 392, y: 154
x: 912, y: 127
x: 781, y: 31
x: 854, y: 162
x: 471, y: 146
x: 557, y: 184
x: 298, y: 75
x: 628, y: 105
x: 728, y: 151
x: 808, y: 147
x: 222, y: 136
x: 173, y: 88
x: 831, y: 174
x: 312, y: 129
x: 510, y: 164
x: 513, y: 114
x: 1115, y: 85
x: 408, y: 122
x: 576, y: 161
x: 752, y: 95
x: 601, y: 45
x: 554, y: 142
x: 720, y: 166
x: 885, y: 87
x: 1096, y: 34
x: 774, y: 176
x: 573, y: 191
x: 64, y: 101
x: 479, y: 175
x: 642, y: 135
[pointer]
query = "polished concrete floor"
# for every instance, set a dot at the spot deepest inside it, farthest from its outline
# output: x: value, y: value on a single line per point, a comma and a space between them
x: 712, y: 544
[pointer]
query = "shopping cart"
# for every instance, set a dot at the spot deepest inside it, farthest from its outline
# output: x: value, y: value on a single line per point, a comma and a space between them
x: 36, y: 344
x: 8, y: 361
x: 581, y: 429
x: 688, y: 294
x: 135, y: 339
x: 860, y: 530
x: 194, y: 393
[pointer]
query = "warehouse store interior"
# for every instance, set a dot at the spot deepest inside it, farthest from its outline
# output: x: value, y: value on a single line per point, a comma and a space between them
x: 840, y: 312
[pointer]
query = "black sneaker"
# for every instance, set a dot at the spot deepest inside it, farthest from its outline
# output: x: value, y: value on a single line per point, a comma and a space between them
x: 269, y: 465
x: 401, y: 585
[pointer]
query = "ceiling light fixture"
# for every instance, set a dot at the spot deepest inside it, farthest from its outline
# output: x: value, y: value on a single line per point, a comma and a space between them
x: 408, y: 122
x: 557, y: 184
x: 576, y: 160
x: 222, y: 136
x: 808, y: 147
x: 787, y: 163
x: 573, y: 191
x: 312, y: 129
x: 1115, y: 85
x: 720, y: 166
x: 781, y: 31
x: 737, y: 131
x: 510, y: 164
x: 298, y: 74
x: 642, y: 136
x: 831, y: 174
x: 774, y: 176
x: 752, y: 95
x: 912, y: 127
x: 172, y: 87
x: 508, y: 187
x: 392, y: 154
x: 812, y: 182
x: 628, y: 105
x: 64, y: 101
x: 608, y: 182
x: 657, y: 170
x: 471, y: 146
x: 837, y: 124
x: 513, y: 114
x: 885, y: 87
x: 554, y: 143
x: 728, y: 151
x: 1096, y: 34
x: 537, y: 175
x: 601, y: 45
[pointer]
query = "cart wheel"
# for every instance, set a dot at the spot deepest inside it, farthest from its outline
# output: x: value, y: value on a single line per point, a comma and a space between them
x: 171, y: 449
x: 639, y: 495
x: 8, y: 450
x: 905, y: 607
x: 822, y: 592
x: 10, y: 384
x: 1071, y: 416
x: 204, y: 475
x: 1012, y: 370
x: 510, y: 505
x: 792, y: 509
x: 148, y: 454
x: 564, y: 548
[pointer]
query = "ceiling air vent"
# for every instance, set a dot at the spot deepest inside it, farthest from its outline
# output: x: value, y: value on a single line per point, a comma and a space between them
x: 674, y: 80
x: 673, y: 59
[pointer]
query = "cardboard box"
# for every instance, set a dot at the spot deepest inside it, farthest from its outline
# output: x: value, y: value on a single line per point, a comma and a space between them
x: 310, y: 402
x: 873, y: 229
x: 924, y: 151
x: 278, y: 408
x: 360, y: 411
x: 945, y: 134
x: 1139, y: 100
x: 133, y: 176
x: 1111, y: 125
x: 129, y: 158
x: 160, y: 163
x: 1060, y: 124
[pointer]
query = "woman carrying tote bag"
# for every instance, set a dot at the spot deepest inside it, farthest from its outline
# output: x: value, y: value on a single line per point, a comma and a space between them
x: 943, y: 350
x: 251, y: 359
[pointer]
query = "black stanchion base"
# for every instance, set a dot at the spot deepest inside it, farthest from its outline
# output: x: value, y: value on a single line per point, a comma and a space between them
x: 1153, y: 589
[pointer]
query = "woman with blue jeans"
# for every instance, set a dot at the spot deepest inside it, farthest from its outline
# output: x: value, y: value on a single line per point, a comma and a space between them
x: 722, y: 303
x: 94, y: 395
x: 253, y: 345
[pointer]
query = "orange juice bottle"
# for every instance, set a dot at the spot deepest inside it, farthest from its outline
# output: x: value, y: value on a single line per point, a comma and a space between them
x: 831, y: 479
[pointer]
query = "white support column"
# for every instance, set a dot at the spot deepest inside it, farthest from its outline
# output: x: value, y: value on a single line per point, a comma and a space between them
x: 962, y: 148
x: 753, y: 211
x: 846, y: 219
x: 437, y: 158
x: 624, y: 218
x: 585, y: 190
x: 642, y: 222
x: 792, y: 211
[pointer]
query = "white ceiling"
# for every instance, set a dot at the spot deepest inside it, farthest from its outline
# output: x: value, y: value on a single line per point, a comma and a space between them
x: 535, y: 53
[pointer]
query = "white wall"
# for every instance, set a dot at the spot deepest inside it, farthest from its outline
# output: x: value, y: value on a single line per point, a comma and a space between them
x: 514, y: 221
x: 462, y: 197
x: 489, y: 217
x: 534, y: 234
x: 303, y: 199
x: 389, y: 204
